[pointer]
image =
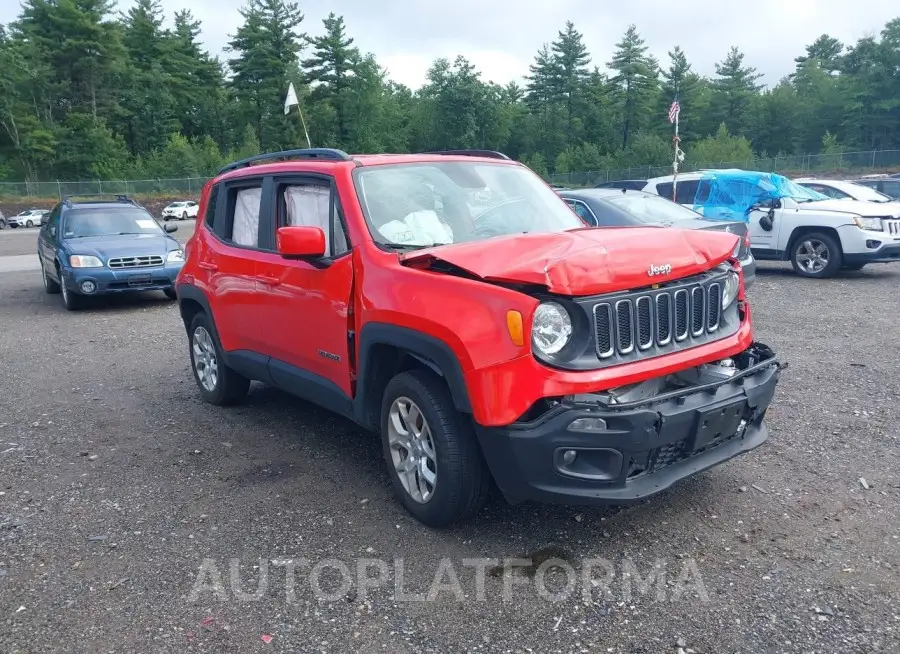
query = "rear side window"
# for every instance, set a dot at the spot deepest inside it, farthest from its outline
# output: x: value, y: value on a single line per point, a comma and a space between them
x: 687, y: 191
x: 211, y: 203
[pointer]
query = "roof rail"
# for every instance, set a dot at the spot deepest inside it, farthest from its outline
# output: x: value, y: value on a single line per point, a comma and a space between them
x: 471, y: 153
x: 330, y: 154
x: 119, y: 197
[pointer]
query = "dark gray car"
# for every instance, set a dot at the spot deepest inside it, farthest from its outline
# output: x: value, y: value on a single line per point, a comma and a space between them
x: 606, y: 207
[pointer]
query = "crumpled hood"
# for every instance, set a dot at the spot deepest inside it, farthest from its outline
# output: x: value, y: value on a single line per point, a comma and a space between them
x: 858, y: 207
x: 122, y: 246
x: 587, y: 261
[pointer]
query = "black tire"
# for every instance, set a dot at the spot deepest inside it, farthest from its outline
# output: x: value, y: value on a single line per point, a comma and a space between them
x: 462, y: 480
x: 854, y: 266
x: 50, y: 287
x: 170, y: 293
x: 2, y: 224
x: 29, y: 223
x: 184, y: 216
x: 165, y: 219
x: 835, y: 257
x: 71, y: 301
x: 230, y: 386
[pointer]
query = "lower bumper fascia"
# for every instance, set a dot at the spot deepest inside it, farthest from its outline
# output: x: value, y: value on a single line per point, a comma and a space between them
x: 643, y: 447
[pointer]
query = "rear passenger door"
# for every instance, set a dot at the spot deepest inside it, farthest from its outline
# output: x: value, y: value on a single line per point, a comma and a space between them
x: 229, y: 261
x: 306, y: 305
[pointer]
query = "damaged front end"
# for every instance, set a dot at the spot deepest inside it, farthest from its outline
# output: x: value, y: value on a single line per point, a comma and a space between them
x: 626, y: 443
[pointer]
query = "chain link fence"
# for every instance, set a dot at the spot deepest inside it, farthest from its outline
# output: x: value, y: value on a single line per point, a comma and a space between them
x: 842, y: 164
x: 186, y: 186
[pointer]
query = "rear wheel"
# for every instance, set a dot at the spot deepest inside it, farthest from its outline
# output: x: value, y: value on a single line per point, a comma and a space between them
x: 433, y: 456
x: 218, y: 383
x: 816, y: 255
x: 29, y: 223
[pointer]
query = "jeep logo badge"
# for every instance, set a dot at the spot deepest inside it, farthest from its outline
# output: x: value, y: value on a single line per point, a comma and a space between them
x: 664, y: 269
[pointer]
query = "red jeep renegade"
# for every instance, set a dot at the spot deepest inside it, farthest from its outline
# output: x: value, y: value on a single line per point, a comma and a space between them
x: 454, y: 303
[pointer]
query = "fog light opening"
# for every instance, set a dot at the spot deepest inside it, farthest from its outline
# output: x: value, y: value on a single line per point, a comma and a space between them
x: 88, y: 287
x: 588, y: 425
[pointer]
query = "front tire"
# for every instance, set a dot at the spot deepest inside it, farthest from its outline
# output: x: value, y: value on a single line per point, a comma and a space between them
x: 218, y: 384
x: 817, y: 255
x: 71, y: 301
x: 184, y: 216
x: 433, y: 456
x: 170, y: 293
x: 50, y: 287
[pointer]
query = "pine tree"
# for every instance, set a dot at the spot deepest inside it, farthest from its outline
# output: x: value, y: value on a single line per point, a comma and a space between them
x: 733, y: 92
x: 333, y: 62
x: 571, y: 61
x: 635, y: 81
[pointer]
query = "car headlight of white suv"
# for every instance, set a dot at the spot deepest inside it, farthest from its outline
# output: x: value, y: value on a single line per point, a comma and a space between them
x: 870, y: 224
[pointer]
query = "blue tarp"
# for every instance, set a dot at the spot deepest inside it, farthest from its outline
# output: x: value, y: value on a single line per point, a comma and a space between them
x: 728, y: 194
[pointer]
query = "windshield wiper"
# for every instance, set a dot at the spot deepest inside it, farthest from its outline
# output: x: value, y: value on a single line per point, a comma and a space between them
x: 409, y: 246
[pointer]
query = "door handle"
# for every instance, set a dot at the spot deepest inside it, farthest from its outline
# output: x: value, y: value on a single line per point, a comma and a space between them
x: 206, y: 265
x: 270, y: 281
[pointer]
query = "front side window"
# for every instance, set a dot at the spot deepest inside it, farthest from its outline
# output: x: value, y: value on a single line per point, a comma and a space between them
x: 311, y: 205
x: 109, y: 221
x: 428, y: 204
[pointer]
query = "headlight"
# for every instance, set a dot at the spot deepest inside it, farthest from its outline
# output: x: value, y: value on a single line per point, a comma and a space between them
x: 84, y: 261
x: 871, y: 224
x: 732, y: 286
x: 551, y: 329
x: 175, y: 256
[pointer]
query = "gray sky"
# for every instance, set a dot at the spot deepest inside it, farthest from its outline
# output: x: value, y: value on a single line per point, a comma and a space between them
x: 501, y: 37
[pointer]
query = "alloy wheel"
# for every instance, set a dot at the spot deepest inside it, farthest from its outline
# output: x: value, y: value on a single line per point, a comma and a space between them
x: 813, y: 256
x: 206, y: 364
x: 412, y: 449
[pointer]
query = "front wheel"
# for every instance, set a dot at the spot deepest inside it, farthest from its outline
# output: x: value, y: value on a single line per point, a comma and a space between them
x: 50, y: 287
x: 184, y: 216
x: 72, y: 301
x: 816, y: 255
x: 170, y: 293
x: 218, y: 383
x: 431, y: 450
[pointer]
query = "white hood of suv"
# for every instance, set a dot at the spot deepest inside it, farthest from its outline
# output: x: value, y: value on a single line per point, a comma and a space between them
x: 858, y: 207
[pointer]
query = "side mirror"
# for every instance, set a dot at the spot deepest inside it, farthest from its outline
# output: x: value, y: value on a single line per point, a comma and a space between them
x: 170, y: 228
x: 300, y: 242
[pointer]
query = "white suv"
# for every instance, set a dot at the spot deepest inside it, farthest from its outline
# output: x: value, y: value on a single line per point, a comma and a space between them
x: 789, y: 222
x: 180, y: 211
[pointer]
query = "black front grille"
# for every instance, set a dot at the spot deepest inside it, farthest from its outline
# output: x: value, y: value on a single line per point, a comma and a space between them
x: 666, y: 317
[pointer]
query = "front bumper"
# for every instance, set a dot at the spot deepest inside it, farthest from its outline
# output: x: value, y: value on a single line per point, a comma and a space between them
x: 646, y: 446
x: 864, y: 246
x: 132, y: 280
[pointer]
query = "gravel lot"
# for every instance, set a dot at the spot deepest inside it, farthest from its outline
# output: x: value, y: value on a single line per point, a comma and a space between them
x: 117, y: 484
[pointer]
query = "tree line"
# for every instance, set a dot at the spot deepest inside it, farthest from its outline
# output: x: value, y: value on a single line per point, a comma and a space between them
x: 91, y: 92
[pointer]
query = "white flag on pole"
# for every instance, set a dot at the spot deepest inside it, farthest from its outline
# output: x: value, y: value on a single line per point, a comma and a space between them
x: 291, y: 99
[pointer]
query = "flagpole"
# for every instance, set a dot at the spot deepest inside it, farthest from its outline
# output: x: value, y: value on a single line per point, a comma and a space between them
x: 675, y: 161
x: 303, y: 122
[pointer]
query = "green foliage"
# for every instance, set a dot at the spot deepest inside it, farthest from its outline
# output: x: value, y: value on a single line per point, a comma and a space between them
x: 89, y: 90
x: 723, y: 148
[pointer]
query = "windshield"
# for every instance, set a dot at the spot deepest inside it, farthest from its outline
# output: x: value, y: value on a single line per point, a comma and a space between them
x: 860, y: 192
x: 788, y: 188
x: 428, y: 204
x: 80, y: 223
x: 652, y: 208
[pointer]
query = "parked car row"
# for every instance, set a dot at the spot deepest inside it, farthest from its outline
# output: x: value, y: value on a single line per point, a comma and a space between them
x: 27, y: 218
x: 180, y: 210
x: 820, y: 226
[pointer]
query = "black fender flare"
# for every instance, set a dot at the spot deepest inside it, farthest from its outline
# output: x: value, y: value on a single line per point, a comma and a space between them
x: 190, y: 293
x: 431, y: 351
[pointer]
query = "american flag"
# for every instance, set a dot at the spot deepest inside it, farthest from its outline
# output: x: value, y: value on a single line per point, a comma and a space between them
x: 674, y: 110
